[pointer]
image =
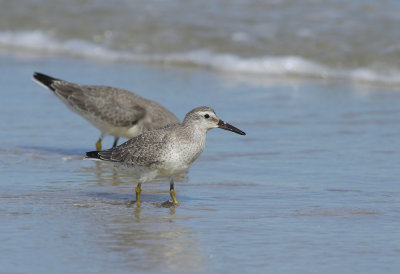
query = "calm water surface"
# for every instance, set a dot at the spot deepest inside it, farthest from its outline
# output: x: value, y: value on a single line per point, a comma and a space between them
x: 312, y: 188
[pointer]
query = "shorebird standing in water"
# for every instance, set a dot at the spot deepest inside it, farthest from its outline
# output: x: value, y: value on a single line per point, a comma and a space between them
x: 165, y: 152
x: 114, y: 111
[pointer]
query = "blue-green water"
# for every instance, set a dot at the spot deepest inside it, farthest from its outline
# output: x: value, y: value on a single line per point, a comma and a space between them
x: 312, y: 188
x: 353, y: 41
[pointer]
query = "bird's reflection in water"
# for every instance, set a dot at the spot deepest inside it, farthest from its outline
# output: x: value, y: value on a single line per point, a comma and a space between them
x: 146, y: 238
x: 107, y: 174
x: 168, y: 204
x: 153, y: 192
x: 137, y: 211
x: 154, y: 244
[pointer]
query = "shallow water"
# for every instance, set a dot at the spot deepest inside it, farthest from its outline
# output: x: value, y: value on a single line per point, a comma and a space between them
x: 313, y: 186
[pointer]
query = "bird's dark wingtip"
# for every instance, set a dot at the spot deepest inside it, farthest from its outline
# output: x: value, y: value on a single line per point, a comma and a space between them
x: 44, y: 79
x: 92, y: 154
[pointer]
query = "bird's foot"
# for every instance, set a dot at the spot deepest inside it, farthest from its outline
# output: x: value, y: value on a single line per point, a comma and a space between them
x: 168, y: 204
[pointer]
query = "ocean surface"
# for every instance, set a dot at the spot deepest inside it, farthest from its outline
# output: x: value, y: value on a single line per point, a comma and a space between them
x: 312, y: 188
x: 356, y: 41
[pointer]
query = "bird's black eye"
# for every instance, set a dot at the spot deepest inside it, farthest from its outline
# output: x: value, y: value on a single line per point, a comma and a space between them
x: 206, y: 116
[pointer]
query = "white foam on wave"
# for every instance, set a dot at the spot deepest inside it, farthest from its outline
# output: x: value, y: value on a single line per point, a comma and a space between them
x: 281, y: 67
x: 40, y: 43
x: 275, y: 66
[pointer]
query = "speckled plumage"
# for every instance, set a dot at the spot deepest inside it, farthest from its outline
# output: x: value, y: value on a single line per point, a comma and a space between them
x: 113, y: 111
x: 167, y: 151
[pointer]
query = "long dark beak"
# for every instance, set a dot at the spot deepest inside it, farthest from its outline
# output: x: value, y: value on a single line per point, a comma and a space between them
x: 226, y: 126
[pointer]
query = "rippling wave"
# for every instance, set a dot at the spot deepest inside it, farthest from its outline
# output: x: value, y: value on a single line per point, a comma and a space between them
x: 40, y: 43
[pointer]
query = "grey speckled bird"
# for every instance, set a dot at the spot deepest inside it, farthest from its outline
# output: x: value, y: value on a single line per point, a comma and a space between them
x: 167, y: 151
x: 114, y: 111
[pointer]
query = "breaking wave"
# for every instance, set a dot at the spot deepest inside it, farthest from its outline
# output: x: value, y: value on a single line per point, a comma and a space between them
x: 40, y: 43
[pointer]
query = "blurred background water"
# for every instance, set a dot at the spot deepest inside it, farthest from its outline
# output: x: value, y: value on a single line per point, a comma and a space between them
x: 312, y: 188
x: 357, y: 41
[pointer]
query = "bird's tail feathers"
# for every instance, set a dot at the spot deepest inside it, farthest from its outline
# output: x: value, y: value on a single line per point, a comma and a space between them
x: 93, y: 155
x: 44, y: 80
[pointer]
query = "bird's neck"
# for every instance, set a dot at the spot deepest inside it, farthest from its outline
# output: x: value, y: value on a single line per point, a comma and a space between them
x: 197, y: 135
x: 195, y: 141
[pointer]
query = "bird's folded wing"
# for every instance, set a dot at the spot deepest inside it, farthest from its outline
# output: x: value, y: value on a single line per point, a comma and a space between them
x: 143, y: 150
x: 115, y: 106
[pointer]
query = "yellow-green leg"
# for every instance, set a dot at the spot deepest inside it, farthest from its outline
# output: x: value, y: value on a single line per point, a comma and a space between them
x: 138, y: 191
x: 115, y: 141
x: 98, y: 143
x: 172, y: 192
